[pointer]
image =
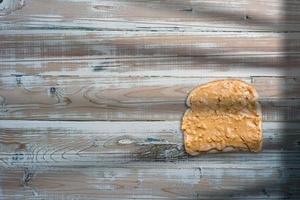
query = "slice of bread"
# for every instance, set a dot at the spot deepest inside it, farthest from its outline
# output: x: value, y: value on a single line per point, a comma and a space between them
x: 223, y: 116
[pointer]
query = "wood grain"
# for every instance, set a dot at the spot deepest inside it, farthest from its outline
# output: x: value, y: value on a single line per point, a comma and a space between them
x: 130, y: 144
x: 129, y: 98
x: 92, y: 93
x: 160, y: 15
x: 124, y: 160
x: 135, y: 183
x: 152, y: 65
x: 96, y: 54
x: 20, y: 45
x: 9, y: 6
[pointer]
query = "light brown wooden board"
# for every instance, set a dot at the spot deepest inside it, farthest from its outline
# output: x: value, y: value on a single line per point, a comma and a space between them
x: 96, y: 54
x: 58, y: 45
x: 158, y: 15
x: 128, y: 66
x: 129, y: 98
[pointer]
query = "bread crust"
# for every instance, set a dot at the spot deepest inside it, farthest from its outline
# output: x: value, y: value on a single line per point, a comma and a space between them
x: 195, y: 139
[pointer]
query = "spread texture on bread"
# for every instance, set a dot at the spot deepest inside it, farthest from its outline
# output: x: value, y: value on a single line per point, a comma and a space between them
x: 223, y: 115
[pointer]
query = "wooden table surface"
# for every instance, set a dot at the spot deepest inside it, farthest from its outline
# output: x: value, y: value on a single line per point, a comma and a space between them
x: 92, y: 93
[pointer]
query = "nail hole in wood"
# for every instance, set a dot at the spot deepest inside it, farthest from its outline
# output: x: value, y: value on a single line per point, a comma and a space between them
x: 52, y: 90
x: 246, y: 17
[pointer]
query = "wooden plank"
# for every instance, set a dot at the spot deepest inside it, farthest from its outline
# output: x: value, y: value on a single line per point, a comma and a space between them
x: 142, y: 15
x: 43, y: 162
x: 131, y: 144
x: 94, y: 54
x: 57, y: 44
x: 8, y: 6
x: 154, y: 66
x: 128, y: 98
x: 149, y: 183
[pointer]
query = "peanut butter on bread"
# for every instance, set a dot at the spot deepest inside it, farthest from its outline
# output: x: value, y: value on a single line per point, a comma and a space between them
x: 222, y: 116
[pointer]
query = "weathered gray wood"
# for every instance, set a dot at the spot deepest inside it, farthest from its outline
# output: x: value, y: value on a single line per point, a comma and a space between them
x: 38, y: 143
x: 137, y: 60
x: 107, y: 66
x: 8, y: 6
x: 96, y: 54
x: 149, y: 183
x: 128, y: 98
x: 139, y: 160
x: 142, y: 15
x: 242, y: 49
x: 83, y: 43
